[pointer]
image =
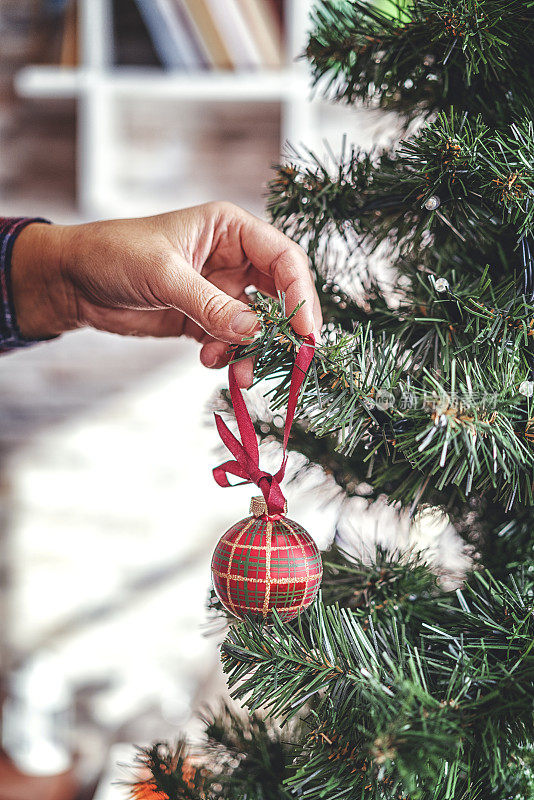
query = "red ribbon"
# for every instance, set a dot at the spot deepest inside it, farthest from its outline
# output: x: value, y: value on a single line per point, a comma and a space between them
x: 246, y: 452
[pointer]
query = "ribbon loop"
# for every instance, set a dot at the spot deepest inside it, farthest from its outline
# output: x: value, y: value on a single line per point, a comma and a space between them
x: 246, y: 452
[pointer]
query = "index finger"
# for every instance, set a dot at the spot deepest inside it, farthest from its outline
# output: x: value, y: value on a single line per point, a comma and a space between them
x: 275, y: 254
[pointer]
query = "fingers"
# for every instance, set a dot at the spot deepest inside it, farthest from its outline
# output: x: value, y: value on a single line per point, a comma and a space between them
x: 285, y: 262
x: 214, y: 354
x: 317, y: 317
x: 266, y: 285
x: 133, y: 322
x: 244, y: 373
x: 220, y: 315
x: 262, y: 282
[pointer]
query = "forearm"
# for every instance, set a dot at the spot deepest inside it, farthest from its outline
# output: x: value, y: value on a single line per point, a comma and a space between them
x: 183, y: 273
x: 39, y: 293
x: 11, y: 229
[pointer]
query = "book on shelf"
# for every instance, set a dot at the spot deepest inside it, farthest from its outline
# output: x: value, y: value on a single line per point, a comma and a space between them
x: 233, y: 27
x: 278, y: 12
x: 191, y: 35
x: 132, y: 43
x: 263, y: 22
x: 69, y: 56
x: 174, y: 39
x: 208, y: 33
x: 228, y: 34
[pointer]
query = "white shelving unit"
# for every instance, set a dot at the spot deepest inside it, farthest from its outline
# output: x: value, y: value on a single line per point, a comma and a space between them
x: 97, y: 85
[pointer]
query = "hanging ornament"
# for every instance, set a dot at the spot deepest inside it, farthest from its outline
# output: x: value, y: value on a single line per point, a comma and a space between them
x: 265, y: 562
x: 432, y: 203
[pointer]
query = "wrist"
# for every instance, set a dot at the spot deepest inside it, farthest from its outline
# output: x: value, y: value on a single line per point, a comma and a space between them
x: 41, y: 294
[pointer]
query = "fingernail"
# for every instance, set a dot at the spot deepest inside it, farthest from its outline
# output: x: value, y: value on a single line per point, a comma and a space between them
x: 210, y: 356
x: 308, y: 316
x: 305, y: 317
x: 244, y: 322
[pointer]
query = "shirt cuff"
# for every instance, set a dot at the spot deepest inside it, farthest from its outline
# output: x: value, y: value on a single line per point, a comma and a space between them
x: 10, y: 336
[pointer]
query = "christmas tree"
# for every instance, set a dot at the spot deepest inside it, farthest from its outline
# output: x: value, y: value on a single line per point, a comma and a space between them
x: 391, y: 685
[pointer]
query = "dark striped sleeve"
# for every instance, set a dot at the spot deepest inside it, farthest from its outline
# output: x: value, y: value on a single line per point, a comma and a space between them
x: 10, y: 335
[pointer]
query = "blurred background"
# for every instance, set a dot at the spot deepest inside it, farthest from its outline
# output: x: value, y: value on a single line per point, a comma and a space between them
x: 108, y: 512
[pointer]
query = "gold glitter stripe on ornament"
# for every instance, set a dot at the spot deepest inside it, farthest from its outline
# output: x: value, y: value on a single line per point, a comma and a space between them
x: 274, y: 548
x: 299, y: 542
x: 273, y: 582
x: 229, y: 576
x: 268, y: 546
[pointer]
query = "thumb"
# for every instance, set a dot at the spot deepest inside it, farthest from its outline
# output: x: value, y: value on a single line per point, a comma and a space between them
x: 220, y: 315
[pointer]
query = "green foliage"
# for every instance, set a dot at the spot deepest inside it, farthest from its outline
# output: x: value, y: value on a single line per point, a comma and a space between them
x: 428, y: 707
x: 447, y: 426
x: 250, y: 758
x: 427, y: 695
x: 165, y: 772
x: 484, y: 181
x: 466, y: 53
x: 241, y: 757
x: 368, y: 589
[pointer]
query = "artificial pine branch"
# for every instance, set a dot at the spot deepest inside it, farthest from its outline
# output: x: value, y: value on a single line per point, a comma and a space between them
x: 368, y: 589
x: 250, y: 758
x: 164, y: 772
x: 421, y: 703
x: 445, y: 426
x: 483, y: 180
x: 241, y: 757
x: 426, y: 55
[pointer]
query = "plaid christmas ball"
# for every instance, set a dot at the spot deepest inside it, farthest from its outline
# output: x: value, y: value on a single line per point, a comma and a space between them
x: 263, y: 563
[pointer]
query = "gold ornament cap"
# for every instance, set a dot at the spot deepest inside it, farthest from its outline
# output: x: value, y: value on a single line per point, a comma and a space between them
x: 258, y: 506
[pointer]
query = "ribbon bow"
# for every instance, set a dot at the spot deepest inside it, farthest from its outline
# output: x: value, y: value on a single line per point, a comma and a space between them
x: 246, y: 452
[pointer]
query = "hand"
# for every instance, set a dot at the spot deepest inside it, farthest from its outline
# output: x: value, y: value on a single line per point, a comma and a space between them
x: 182, y: 273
